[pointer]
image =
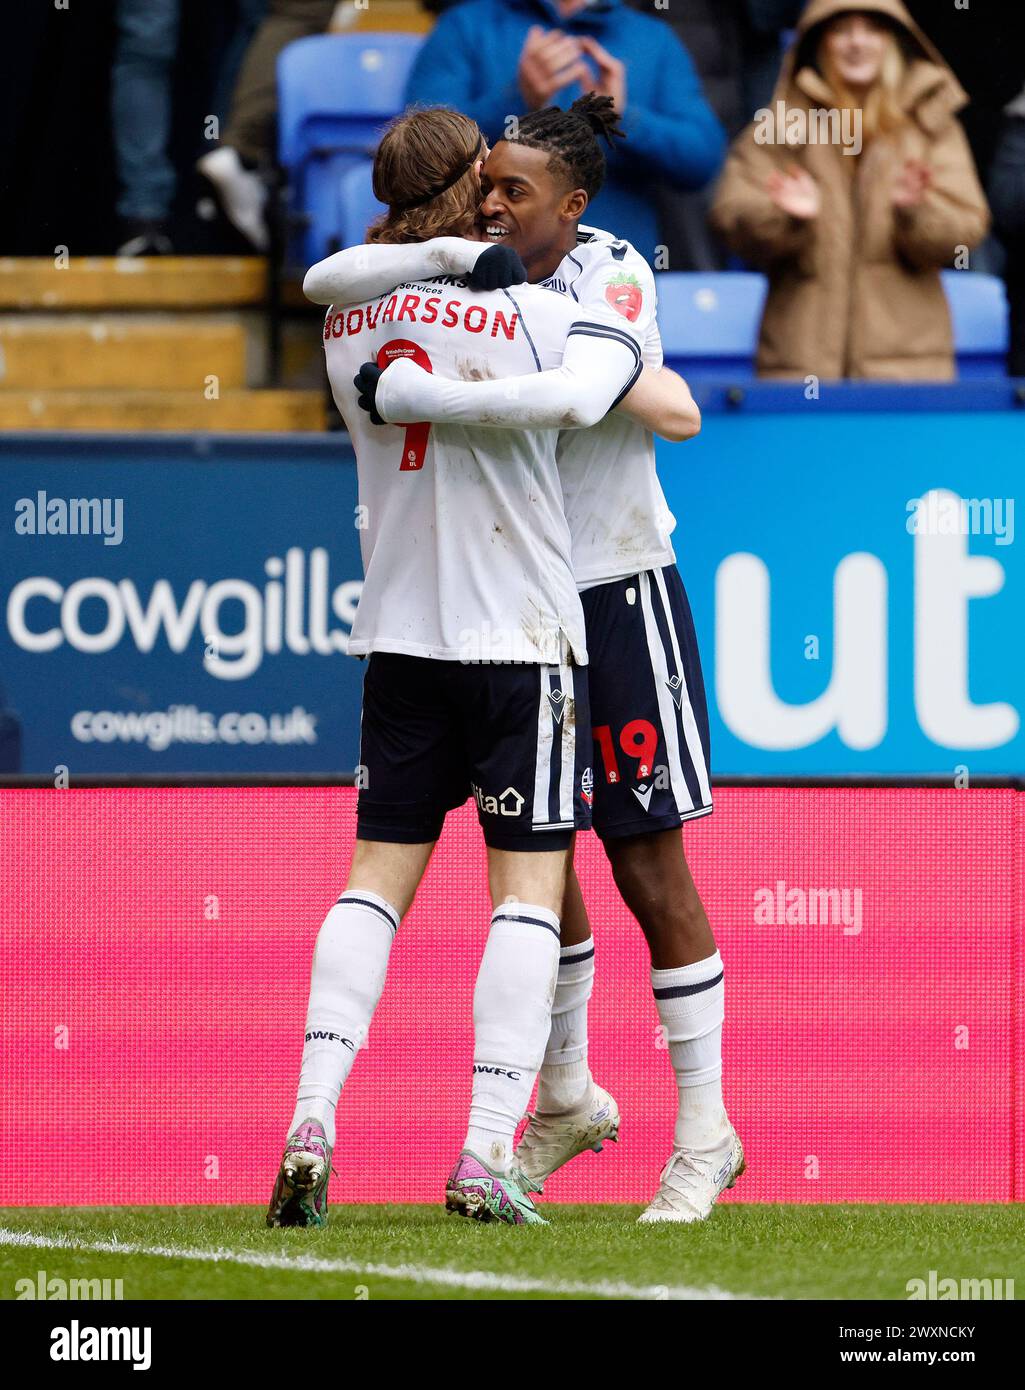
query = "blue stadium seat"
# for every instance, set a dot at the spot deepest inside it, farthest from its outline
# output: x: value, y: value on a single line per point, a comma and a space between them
x: 709, y: 323
x: 335, y: 93
x: 978, y: 307
x: 357, y: 205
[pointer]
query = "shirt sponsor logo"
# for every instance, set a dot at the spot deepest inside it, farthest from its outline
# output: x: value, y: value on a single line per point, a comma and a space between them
x: 508, y: 803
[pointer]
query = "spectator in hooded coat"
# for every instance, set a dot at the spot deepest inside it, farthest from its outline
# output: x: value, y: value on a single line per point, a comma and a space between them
x: 853, y: 235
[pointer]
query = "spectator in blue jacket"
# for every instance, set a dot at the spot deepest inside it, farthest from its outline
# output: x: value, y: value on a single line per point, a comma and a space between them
x: 493, y: 59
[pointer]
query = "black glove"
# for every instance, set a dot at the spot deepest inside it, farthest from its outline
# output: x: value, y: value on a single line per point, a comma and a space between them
x: 365, y: 382
x: 497, y: 269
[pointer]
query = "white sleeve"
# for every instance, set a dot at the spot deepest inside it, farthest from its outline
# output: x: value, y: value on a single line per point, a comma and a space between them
x: 599, y: 365
x: 619, y: 287
x: 365, y: 272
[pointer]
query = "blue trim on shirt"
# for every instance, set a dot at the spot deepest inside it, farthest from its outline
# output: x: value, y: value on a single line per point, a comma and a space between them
x: 604, y: 330
x: 571, y: 257
x: 530, y: 340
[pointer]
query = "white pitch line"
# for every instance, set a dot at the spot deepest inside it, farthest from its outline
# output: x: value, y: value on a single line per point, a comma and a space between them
x: 483, y: 1280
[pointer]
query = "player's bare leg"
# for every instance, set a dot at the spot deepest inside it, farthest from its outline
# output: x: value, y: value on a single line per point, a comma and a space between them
x: 349, y: 966
x: 512, y: 1005
x: 654, y: 879
x: 538, y: 877
x: 576, y: 925
x: 655, y: 882
x: 573, y: 1113
x: 392, y: 871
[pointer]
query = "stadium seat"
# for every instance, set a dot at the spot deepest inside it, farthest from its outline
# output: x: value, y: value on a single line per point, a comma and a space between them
x: 335, y: 92
x: 357, y: 205
x: 709, y: 323
x: 978, y: 307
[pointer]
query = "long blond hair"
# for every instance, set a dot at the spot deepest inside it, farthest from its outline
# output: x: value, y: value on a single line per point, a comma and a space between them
x: 881, y: 111
x: 419, y: 153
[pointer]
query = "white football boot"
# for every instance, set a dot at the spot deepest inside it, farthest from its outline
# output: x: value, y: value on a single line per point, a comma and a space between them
x: 692, y: 1183
x: 549, y: 1141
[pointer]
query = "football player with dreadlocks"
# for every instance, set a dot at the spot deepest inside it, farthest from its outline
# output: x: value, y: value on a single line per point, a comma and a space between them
x: 648, y: 707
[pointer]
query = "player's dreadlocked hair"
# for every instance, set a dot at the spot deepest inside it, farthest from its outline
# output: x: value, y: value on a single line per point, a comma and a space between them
x: 571, y: 138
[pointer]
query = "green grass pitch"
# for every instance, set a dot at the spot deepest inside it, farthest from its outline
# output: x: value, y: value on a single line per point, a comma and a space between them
x: 389, y: 1252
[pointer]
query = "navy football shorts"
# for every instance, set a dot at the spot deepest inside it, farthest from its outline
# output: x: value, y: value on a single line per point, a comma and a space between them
x: 434, y: 733
x: 648, y: 711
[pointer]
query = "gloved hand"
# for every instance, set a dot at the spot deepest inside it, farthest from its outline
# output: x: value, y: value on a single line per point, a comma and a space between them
x: 365, y: 382
x: 496, y: 269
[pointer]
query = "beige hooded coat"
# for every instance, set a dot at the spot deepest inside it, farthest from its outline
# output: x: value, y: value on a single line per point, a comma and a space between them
x: 856, y: 292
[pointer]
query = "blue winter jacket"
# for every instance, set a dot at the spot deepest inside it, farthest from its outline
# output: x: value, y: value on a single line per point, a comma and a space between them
x: 469, y: 61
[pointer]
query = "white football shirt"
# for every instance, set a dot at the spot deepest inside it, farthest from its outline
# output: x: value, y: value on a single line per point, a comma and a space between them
x: 618, y: 516
x: 466, y: 546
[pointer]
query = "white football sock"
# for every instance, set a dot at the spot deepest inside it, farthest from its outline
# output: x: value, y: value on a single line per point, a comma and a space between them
x: 690, y: 1003
x: 564, y: 1081
x: 512, y: 1009
x: 349, y: 966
